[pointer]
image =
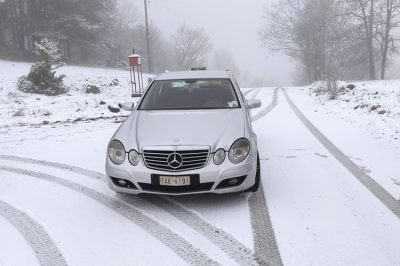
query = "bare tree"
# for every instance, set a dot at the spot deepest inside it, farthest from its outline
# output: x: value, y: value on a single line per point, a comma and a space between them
x: 388, y: 19
x: 191, y: 46
x: 3, y: 21
x: 128, y: 33
x: 124, y: 30
x: 161, y: 48
x: 363, y: 11
x: 279, y: 31
x: 309, y: 31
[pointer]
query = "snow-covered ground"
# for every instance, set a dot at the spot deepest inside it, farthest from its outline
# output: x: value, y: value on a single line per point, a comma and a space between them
x: 53, y: 195
x: 18, y: 108
x: 372, y: 105
x: 357, y: 135
x: 321, y: 213
x: 87, y: 231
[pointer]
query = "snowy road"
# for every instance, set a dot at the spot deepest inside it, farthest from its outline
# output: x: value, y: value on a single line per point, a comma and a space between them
x: 321, y: 213
x: 316, y: 206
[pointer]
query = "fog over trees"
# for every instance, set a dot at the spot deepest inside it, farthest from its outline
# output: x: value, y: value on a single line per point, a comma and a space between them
x: 78, y: 26
x: 96, y: 32
x: 191, y: 46
x: 347, y: 39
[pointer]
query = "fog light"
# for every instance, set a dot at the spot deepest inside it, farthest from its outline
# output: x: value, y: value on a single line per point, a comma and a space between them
x: 122, y: 182
x: 233, y: 182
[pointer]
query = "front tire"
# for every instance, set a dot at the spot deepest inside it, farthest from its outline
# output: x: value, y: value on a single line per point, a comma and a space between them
x: 254, y: 188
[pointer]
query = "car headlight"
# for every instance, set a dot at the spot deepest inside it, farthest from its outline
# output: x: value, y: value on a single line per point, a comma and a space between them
x: 239, y: 151
x: 219, y: 156
x: 134, y: 157
x: 116, y: 152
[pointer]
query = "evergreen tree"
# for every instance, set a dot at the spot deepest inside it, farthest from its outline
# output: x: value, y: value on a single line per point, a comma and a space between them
x: 42, y: 79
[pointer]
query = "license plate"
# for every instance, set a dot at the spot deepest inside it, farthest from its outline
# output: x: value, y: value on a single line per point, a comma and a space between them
x: 175, y: 181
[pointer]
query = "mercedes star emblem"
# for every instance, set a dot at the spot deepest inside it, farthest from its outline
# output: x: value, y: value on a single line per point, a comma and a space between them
x: 175, y: 160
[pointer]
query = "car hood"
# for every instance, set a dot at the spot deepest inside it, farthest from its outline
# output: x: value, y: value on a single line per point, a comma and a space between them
x: 214, y: 128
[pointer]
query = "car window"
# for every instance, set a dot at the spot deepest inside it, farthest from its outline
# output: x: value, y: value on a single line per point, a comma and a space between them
x: 190, y: 94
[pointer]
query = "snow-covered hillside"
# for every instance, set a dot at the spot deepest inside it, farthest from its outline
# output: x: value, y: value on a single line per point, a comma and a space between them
x: 17, y: 107
x: 373, y: 105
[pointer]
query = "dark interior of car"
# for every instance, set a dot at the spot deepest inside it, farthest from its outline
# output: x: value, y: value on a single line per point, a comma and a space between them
x: 192, y: 96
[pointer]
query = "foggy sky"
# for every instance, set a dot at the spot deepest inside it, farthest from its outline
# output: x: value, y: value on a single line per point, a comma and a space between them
x: 232, y: 25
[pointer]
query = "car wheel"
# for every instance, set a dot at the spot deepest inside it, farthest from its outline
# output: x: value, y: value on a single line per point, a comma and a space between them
x: 258, y: 177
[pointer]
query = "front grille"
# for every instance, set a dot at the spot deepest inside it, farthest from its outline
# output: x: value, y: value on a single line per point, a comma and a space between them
x: 186, y: 160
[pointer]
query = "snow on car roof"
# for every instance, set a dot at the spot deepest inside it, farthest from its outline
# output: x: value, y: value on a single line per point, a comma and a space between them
x: 193, y: 75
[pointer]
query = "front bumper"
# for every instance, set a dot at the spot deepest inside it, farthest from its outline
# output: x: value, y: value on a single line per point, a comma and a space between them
x: 210, y: 177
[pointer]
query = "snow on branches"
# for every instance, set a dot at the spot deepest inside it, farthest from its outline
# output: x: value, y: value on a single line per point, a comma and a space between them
x: 42, y: 76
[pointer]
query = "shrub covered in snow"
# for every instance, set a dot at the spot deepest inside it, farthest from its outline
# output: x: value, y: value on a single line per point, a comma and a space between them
x: 330, y: 88
x: 42, y: 77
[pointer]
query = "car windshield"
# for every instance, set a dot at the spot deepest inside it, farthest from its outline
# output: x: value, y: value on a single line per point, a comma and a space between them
x: 190, y: 94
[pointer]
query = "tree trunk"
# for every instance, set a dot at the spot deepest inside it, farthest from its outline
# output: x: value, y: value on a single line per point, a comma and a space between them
x: 3, y: 21
x: 371, y: 60
x: 13, y: 22
x: 370, y: 46
x: 386, y: 38
x: 308, y: 62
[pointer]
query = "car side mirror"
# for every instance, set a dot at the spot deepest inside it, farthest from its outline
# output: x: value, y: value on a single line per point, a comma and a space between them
x: 128, y: 106
x: 253, y: 104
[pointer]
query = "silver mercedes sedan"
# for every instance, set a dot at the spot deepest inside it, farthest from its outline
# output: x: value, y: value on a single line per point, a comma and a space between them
x: 190, y: 133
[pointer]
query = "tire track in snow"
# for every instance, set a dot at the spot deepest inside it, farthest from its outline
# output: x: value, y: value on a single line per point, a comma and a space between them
x: 377, y: 190
x: 75, y: 169
x: 46, y: 251
x: 232, y: 247
x: 267, y: 109
x: 266, y: 247
x: 171, y: 240
x: 227, y: 243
